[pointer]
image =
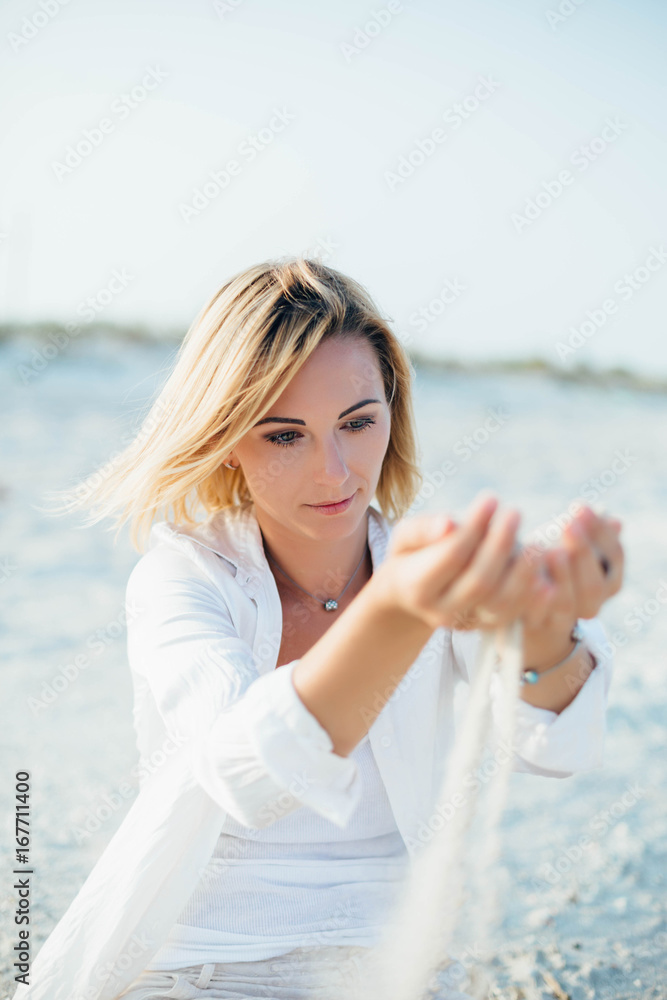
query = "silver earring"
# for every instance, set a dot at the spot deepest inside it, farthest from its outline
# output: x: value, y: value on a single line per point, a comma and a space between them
x: 233, y: 467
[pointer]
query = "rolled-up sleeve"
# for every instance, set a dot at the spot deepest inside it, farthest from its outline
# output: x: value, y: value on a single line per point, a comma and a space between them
x: 553, y: 744
x: 254, y: 746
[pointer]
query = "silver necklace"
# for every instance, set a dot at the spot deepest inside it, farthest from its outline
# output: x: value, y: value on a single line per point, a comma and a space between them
x: 332, y: 603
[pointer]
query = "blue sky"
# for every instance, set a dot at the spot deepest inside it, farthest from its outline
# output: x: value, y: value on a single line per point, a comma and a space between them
x: 402, y: 141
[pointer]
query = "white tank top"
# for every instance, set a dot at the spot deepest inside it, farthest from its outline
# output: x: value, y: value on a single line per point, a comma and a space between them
x: 302, y: 881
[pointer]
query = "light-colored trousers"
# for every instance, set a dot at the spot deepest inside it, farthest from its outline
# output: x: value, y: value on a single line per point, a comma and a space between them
x: 323, y: 973
x: 335, y: 972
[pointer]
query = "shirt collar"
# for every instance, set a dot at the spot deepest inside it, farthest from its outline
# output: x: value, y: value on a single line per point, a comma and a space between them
x: 234, y: 534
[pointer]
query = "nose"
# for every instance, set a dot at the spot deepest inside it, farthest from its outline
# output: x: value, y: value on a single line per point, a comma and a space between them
x: 330, y: 465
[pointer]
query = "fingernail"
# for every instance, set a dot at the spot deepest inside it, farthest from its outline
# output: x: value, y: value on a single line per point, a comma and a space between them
x: 486, y: 502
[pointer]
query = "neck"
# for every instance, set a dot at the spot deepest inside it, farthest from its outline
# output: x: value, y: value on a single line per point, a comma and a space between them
x: 322, y: 569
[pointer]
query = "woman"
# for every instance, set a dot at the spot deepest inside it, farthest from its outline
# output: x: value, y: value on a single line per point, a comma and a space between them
x: 294, y: 655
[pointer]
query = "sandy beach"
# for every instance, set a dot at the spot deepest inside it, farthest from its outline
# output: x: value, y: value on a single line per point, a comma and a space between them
x: 584, y: 859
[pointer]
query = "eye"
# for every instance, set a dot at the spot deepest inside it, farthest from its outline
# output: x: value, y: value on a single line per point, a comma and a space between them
x: 278, y: 438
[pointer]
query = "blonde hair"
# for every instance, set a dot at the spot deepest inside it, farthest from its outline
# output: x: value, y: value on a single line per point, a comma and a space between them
x: 236, y: 358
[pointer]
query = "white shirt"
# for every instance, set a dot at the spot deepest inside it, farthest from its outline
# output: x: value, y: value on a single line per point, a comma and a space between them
x: 302, y: 881
x: 221, y: 731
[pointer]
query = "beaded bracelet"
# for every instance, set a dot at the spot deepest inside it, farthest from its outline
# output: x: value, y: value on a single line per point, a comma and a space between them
x: 577, y: 636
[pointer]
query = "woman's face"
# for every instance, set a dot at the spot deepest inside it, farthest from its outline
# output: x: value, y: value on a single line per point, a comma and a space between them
x: 325, y: 446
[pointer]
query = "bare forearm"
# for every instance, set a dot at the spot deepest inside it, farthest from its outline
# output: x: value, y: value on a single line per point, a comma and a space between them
x: 559, y: 687
x: 350, y: 673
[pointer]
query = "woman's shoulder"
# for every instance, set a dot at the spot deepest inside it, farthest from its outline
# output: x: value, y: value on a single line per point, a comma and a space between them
x: 205, y: 551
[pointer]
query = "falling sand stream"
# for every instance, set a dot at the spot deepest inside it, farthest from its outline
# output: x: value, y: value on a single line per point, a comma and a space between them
x: 411, y: 960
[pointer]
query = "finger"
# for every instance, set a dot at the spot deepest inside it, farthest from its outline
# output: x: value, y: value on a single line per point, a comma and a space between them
x: 535, y: 601
x: 483, y: 500
x: 539, y: 607
x: 480, y: 576
x: 603, y: 534
x: 614, y: 576
x: 444, y: 559
x: 601, y: 530
x: 558, y: 596
x: 522, y: 580
x: 415, y: 532
x: 610, y: 555
x: 587, y: 573
x: 559, y: 564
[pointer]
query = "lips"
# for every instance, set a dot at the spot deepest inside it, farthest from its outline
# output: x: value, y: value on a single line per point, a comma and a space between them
x: 331, y: 503
x: 337, y: 507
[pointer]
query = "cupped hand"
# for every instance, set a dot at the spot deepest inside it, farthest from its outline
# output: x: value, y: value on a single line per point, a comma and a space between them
x: 589, y: 539
x: 579, y: 585
x: 464, y: 576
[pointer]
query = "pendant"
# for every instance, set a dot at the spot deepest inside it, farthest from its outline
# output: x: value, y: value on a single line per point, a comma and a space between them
x: 331, y: 605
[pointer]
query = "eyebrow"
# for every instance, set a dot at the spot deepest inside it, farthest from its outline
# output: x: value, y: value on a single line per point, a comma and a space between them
x: 294, y: 420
